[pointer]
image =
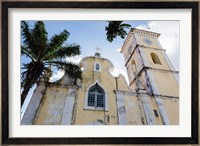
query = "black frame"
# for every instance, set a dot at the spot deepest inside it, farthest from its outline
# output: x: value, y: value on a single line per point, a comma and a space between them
x: 99, y: 5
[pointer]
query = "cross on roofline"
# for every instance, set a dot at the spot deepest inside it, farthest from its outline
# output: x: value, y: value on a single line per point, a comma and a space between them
x: 97, y: 49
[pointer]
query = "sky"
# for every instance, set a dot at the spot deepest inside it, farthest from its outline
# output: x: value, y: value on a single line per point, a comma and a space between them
x: 90, y: 34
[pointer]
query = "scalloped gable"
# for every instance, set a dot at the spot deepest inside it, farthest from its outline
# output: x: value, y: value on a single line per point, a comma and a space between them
x: 122, y: 84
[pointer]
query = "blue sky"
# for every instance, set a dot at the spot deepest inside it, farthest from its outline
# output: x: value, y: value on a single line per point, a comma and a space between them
x: 90, y: 34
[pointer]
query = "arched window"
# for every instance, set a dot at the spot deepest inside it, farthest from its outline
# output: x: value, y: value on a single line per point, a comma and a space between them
x: 96, y: 97
x: 97, y: 67
x: 155, y: 58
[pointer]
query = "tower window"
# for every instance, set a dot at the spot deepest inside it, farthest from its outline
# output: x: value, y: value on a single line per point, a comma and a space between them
x: 96, y: 97
x: 155, y: 58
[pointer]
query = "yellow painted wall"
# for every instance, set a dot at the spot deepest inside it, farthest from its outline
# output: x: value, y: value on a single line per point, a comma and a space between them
x: 122, y: 84
x: 166, y: 84
x: 147, y: 54
x: 158, y: 120
x: 172, y: 109
x: 107, y: 81
x: 161, y: 77
x: 134, y: 111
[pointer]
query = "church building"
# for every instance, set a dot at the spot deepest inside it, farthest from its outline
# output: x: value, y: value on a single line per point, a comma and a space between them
x: 151, y: 98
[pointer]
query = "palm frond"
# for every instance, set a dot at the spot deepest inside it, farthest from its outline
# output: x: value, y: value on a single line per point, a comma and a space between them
x: 116, y: 28
x: 57, y: 40
x: 37, y: 47
x: 72, y: 69
x: 34, y: 40
x: 62, y: 53
x: 55, y: 43
x: 26, y: 35
x: 40, y: 38
x: 27, y: 53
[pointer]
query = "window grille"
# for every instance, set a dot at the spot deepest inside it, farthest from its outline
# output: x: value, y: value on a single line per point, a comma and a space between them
x: 96, y: 97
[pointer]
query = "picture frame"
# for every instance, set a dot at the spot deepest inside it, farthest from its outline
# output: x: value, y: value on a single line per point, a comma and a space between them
x: 6, y: 139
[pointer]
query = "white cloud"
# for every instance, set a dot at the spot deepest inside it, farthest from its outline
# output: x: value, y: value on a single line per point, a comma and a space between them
x: 75, y: 59
x: 169, y: 38
x: 116, y: 71
x: 143, y: 26
x: 56, y: 75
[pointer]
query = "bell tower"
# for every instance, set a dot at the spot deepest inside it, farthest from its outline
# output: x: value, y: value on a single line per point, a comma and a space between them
x: 151, y: 73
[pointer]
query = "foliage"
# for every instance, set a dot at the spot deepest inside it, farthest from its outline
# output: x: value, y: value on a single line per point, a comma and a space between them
x: 44, y: 52
x: 116, y: 28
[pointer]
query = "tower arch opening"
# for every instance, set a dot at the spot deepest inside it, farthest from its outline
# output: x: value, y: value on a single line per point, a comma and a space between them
x: 155, y: 58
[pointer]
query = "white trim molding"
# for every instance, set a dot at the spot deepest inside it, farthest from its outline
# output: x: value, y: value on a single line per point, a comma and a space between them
x: 68, y: 108
x: 121, y: 109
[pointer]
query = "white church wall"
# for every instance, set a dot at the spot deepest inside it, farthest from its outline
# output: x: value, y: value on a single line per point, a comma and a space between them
x: 33, y: 105
x: 68, y: 107
x: 121, y: 109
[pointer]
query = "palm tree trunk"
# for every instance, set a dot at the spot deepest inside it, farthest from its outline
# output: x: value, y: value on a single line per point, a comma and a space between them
x: 32, y: 76
x: 27, y: 87
x: 23, y: 95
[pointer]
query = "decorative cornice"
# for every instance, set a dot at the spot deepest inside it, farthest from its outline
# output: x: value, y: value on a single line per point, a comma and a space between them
x: 145, y: 32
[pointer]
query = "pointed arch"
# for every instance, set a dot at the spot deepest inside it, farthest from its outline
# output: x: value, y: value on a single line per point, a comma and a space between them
x: 155, y: 58
x: 96, y: 98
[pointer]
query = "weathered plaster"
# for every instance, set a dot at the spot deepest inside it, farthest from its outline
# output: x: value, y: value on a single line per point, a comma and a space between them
x: 162, y: 111
x: 152, y: 83
x: 68, y: 108
x: 121, y: 109
x: 51, y: 108
x: 144, y: 58
x: 160, y: 105
x: 150, y: 118
x: 33, y: 105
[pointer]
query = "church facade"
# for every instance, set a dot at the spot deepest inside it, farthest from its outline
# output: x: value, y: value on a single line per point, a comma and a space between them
x: 151, y: 98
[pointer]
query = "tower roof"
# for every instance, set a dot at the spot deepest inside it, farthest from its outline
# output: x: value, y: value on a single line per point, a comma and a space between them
x: 144, y: 32
x: 139, y: 32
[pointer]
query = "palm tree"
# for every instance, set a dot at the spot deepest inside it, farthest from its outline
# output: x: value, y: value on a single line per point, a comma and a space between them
x: 43, y: 53
x: 116, y: 28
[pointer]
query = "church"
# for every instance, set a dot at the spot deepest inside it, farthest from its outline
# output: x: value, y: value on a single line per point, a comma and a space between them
x: 150, y: 98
